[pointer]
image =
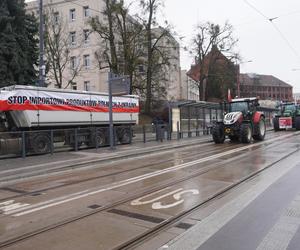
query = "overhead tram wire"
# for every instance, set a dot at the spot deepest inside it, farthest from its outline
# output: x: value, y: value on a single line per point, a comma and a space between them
x: 276, y: 27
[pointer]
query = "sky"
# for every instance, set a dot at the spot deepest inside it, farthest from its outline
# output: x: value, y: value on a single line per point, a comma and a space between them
x: 272, y: 47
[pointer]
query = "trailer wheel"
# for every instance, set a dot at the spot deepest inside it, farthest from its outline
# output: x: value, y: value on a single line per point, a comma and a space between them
x: 40, y: 144
x: 124, y: 136
x: 297, y: 122
x: 99, y: 137
x: 276, y: 123
x: 246, y: 133
x: 260, y: 129
x: 218, y: 133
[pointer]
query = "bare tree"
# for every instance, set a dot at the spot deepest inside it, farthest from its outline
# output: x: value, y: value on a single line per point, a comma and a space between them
x: 57, y: 50
x: 157, y: 53
x: 121, y: 38
x: 209, y: 42
x: 106, y: 30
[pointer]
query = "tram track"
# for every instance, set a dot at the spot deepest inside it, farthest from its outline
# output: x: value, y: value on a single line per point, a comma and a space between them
x: 106, y: 159
x: 4, y: 180
x: 162, y: 225
x: 189, y: 156
x: 32, y: 193
x: 168, y: 223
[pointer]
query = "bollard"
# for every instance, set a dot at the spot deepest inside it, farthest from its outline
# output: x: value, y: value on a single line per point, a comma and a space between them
x: 131, y: 134
x: 178, y: 133
x: 170, y: 132
x: 96, y: 138
x: 52, y: 142
x: 23, y: 145
x: 76, y: 139
x: 144, y: 133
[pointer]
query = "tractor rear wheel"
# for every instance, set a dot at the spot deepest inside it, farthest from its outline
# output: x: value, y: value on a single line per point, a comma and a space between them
x: 218, y: 133
x: 276, y: 123
x: 246, y: 133
x: 260, y: 129
x: 297, y: 122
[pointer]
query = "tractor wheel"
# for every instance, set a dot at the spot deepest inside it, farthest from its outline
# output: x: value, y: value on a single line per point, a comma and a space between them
x: 260, y: 129
x: 246, y: 133
x: 297, y: 122
x: 276, y: 123
x: 40, y: 144
x: 218, y: 133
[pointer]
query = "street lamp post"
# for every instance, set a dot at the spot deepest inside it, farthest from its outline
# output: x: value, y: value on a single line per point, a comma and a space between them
x: 41, y: 37
x: 238, y: 77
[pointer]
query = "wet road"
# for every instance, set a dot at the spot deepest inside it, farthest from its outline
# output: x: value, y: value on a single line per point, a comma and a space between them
x: 107, y: 204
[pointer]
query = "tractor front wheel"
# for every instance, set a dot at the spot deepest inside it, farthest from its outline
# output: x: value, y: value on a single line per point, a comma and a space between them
x: 246, y: 133
x: 218, y: 133
x: 260, y: 129
x: 276, y: 124
x: 297, y: 122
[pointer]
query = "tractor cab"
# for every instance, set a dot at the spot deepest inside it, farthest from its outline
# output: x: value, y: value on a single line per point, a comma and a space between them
x: 287, y: 117
x: 243, y: 105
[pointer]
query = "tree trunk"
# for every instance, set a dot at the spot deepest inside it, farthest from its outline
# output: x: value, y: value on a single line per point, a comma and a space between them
x: 149, y: 68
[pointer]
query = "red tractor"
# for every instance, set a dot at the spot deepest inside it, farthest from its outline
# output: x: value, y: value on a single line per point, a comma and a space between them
x: 241, y: 122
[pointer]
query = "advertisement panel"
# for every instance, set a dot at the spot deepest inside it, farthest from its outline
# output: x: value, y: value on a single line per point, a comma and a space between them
x: 285, y: 122
x: 27, y: 99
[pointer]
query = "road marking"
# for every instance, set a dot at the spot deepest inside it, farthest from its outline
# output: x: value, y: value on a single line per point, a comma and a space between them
x: 9, y: 205
x: 206, y: 228
x: 176, y: 196
x: 157, y: 204
x: 138, y: 201
x: 88, y: 192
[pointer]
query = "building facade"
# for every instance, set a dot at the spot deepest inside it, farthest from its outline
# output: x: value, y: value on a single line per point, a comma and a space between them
x: 189, y: 88
x: 84, y: 44
x: 267, y: 87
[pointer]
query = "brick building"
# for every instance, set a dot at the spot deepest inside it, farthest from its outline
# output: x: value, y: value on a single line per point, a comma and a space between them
x: 265, y: 86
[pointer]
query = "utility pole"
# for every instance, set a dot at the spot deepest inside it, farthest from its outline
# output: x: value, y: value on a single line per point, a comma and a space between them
x: 41, y: 82
x: 111, y: 125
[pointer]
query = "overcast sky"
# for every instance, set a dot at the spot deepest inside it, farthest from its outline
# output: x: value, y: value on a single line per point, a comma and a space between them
x: 272, y: 51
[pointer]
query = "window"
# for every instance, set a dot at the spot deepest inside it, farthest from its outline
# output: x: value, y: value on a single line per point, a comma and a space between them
x: 87, y: 85
x: 72, y: 38
x: 56, y: 17
x: 74, y: 85
x: 86, y: 11
x: 72, y: 15
x: 86, y: 61
x: 73, y: 63
x: 86, y: 36
x: 141, y: 69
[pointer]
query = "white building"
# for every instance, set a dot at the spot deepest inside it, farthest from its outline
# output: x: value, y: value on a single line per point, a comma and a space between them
x: 83, y: 46
x: 189, y: 88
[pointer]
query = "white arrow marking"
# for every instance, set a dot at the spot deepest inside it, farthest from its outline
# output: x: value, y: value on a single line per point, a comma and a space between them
x: 176, y: 196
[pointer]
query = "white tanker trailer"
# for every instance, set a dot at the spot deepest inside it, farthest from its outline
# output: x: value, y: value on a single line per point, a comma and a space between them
x: 28, y: 108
